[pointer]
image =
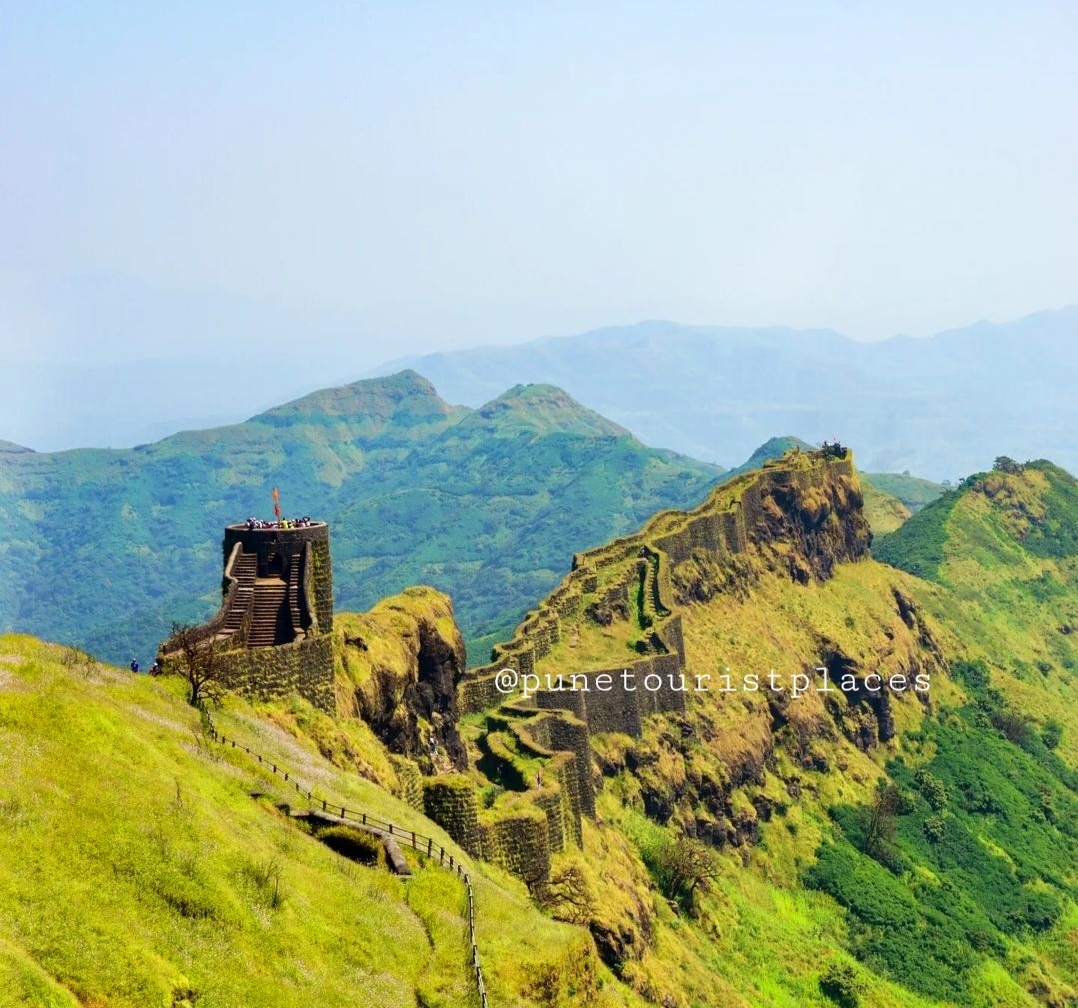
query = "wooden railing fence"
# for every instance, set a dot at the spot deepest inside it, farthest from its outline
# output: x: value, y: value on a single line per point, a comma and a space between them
x: 417, y: 841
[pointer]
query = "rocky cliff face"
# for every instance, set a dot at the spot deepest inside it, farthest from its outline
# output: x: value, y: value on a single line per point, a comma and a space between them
x: 402, y: 662
x: 797, y: 517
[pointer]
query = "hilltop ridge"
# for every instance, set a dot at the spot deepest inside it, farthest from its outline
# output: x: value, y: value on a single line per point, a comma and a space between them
x: 828, y: 679
x: 368, y: 409
x: 706, y: 846
x: 544, y: 408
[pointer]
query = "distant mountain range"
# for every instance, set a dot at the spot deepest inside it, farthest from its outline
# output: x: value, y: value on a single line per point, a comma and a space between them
x: 944, y: 406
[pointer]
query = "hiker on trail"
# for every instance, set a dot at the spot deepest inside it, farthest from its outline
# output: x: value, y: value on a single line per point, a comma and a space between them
x: 538, y: 779
x: 134, y: 665
x: 155, y: 669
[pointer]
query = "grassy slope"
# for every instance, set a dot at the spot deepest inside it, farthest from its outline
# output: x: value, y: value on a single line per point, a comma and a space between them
x: 1005, y: 563
x: 136, y: 869
x: 912, y: 491
x: 762, y: 937
x: 884, y: 512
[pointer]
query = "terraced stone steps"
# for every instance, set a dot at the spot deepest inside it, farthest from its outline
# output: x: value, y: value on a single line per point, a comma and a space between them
x: 269, y: 596
x: 244, y: 570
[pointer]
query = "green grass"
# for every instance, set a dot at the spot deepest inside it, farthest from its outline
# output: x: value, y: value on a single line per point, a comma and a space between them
x: 1056, y: 533
x: 999, y: 872
x: 918, y: 545
x: 136, y: 868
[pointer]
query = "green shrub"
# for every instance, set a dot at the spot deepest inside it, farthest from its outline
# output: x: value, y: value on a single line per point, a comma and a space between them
x: 933, y: 789
x: 972, y: 674
x: 1038, y: 912
x: 842, y: 983
x: 266, y: 877
x: 935, y: 828
x: 1052, y: 734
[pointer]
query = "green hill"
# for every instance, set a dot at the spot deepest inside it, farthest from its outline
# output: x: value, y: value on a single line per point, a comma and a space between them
x: 912, y: 491
x: 772, y: 448
x: 884, y: 512
x: 142, y: 864
x: 104, y: 549
x: 880, y: 847
x: 1002, y: 555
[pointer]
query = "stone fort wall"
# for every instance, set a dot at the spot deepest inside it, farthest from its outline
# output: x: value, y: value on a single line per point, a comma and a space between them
x: 305, y: 666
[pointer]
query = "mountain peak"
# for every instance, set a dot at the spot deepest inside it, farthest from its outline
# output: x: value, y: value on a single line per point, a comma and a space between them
x: 405, y: 398
x: 545, y: 409
x: 1030, y: 510
x: 772, y: 448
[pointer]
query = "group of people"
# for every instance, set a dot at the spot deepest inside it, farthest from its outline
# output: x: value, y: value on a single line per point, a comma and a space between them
x: 155, y: 668
x: 283, y: 523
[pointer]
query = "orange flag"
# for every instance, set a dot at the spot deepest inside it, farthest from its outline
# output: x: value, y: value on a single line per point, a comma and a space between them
x: 276, y: 503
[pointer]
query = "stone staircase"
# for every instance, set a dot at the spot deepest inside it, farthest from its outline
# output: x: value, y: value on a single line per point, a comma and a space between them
x: 264, y: 598
x: 244, y: 571
x: 269, y: 596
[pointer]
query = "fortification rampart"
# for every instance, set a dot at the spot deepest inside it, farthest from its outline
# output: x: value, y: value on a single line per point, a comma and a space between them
x: 783, y: 515
x: 305, y: 666
x: 543, y: 761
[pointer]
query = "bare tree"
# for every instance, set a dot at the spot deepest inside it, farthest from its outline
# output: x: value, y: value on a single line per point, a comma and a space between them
x: 688, y: 866
x: 878, y: 820
x: 199, y: 660
x: 568, y: 896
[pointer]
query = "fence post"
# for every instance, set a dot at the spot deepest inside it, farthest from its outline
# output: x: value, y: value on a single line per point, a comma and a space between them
x: 454, y: 865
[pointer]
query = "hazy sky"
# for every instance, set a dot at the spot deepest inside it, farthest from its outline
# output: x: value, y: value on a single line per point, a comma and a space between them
x: 174, y: 176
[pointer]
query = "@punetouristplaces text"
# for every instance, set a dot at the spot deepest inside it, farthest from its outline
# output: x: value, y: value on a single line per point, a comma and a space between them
x: 797, y: 684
